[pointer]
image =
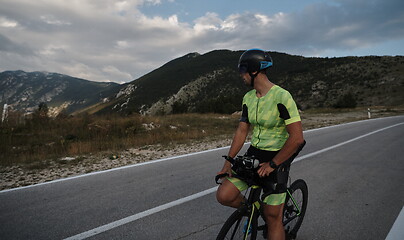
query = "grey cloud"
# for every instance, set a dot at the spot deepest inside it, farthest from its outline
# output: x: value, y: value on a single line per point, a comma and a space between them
x: 6, y: 45
x: 91, y: 41
x: 343, y: 26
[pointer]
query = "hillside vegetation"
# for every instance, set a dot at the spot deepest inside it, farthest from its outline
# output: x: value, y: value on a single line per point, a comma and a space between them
x: 210, y: 83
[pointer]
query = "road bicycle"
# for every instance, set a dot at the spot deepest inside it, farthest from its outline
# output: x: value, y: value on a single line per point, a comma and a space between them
x: 248, y: 220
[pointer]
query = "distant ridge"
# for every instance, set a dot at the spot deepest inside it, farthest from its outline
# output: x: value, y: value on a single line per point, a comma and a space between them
x: 210, y: 83
x: 24, y: 91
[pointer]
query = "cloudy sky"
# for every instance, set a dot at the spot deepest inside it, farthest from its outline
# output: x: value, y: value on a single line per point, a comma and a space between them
x: 121, y: 40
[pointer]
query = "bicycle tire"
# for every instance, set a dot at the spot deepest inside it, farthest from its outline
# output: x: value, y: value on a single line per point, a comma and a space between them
x: 234, y: 227
x: 292, y: 222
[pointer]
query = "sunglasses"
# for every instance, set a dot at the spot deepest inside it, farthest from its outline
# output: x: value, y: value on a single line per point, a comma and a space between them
x: 243, y: 67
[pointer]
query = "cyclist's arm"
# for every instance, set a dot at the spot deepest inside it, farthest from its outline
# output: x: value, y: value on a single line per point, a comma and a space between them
x: 239, y: 138
x: 238, y: 142
x: 291, y: 146
x: 289, y: 112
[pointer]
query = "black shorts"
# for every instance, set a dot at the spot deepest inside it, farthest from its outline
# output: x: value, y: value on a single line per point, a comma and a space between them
x: 276, y: 182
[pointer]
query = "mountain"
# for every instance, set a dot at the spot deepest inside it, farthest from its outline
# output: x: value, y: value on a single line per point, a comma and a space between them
x: 24, y: 91
x: 192, y: 83
x: 210, y: 83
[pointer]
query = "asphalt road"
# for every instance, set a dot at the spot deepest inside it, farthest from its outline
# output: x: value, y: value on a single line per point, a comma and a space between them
x: 355, y: 174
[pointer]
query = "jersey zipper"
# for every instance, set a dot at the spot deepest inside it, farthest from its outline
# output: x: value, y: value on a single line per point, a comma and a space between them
x: 256, y: 119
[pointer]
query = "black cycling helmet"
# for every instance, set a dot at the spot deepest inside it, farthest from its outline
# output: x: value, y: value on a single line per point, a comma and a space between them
x: 254, y: 60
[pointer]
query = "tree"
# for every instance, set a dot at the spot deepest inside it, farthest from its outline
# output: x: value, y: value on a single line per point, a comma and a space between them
x: 43, y: 110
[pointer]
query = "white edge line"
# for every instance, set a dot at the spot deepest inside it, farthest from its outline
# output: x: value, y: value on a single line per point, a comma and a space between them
x: 137, y: 216
x: 343, y: 143
x: 396, y: 231
x: 170, y: 158
x: 349, y: 123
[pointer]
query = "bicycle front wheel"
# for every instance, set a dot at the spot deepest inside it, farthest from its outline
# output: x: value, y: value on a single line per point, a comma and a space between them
x: 295, y: 207
x: 236, y: 226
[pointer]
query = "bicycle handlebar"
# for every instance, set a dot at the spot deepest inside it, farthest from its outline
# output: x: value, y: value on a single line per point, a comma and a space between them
x: 250, y: 163
x: 245, y: 168
x: 246, y: 163
x: 220, y: 176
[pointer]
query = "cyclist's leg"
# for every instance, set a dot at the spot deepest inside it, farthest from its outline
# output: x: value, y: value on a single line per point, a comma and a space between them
x: 229, y: 192
x: 273, y: 212
x: 273, y: 216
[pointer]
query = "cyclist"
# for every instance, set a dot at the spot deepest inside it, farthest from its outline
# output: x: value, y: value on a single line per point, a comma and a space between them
x: 277, y: 137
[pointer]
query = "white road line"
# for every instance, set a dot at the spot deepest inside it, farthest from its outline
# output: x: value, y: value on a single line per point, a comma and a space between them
x: 137, y: 216
x: 146, y: 213
x: 343, y: 143
x: 397, y: 232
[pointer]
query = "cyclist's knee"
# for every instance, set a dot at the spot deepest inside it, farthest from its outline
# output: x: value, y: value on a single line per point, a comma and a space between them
x: 223, y: 196
x: 228, y: 196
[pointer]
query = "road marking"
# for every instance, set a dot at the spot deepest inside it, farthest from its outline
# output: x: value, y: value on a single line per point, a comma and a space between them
x: 149, y: 212
x: 397, y: 232
x: 343, y: 143
x: 140, y: 215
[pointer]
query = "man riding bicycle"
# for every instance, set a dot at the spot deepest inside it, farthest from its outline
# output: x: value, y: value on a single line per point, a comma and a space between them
x: 277, y: 137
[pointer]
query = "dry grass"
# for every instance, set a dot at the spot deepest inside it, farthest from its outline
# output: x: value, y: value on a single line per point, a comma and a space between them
x: 35, y: 140
x: 35, y: 143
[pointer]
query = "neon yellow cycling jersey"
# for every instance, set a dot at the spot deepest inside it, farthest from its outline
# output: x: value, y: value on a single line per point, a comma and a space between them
x: 269, y: 115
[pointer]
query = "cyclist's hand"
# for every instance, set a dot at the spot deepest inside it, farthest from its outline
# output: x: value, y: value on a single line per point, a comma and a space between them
x: 225, y: 170
x: 264, y: 170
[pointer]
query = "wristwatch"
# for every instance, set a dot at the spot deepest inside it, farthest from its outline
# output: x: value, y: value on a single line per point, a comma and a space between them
x: 272, y: 164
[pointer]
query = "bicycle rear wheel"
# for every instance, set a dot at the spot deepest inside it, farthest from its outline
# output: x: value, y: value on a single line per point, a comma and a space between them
x: 235, y: 227
x: 295, y: 207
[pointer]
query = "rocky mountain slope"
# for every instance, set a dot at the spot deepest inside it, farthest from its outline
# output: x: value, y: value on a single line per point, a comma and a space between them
x: 24, y: 91
x: 210, y: 83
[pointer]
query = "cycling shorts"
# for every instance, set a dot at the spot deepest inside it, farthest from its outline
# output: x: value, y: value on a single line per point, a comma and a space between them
x: 273, y: 196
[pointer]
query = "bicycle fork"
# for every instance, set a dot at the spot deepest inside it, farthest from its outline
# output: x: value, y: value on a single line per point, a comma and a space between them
x: 254, y: 210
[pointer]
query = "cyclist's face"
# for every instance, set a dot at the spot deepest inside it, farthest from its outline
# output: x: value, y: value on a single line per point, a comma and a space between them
x: 246, y: 78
